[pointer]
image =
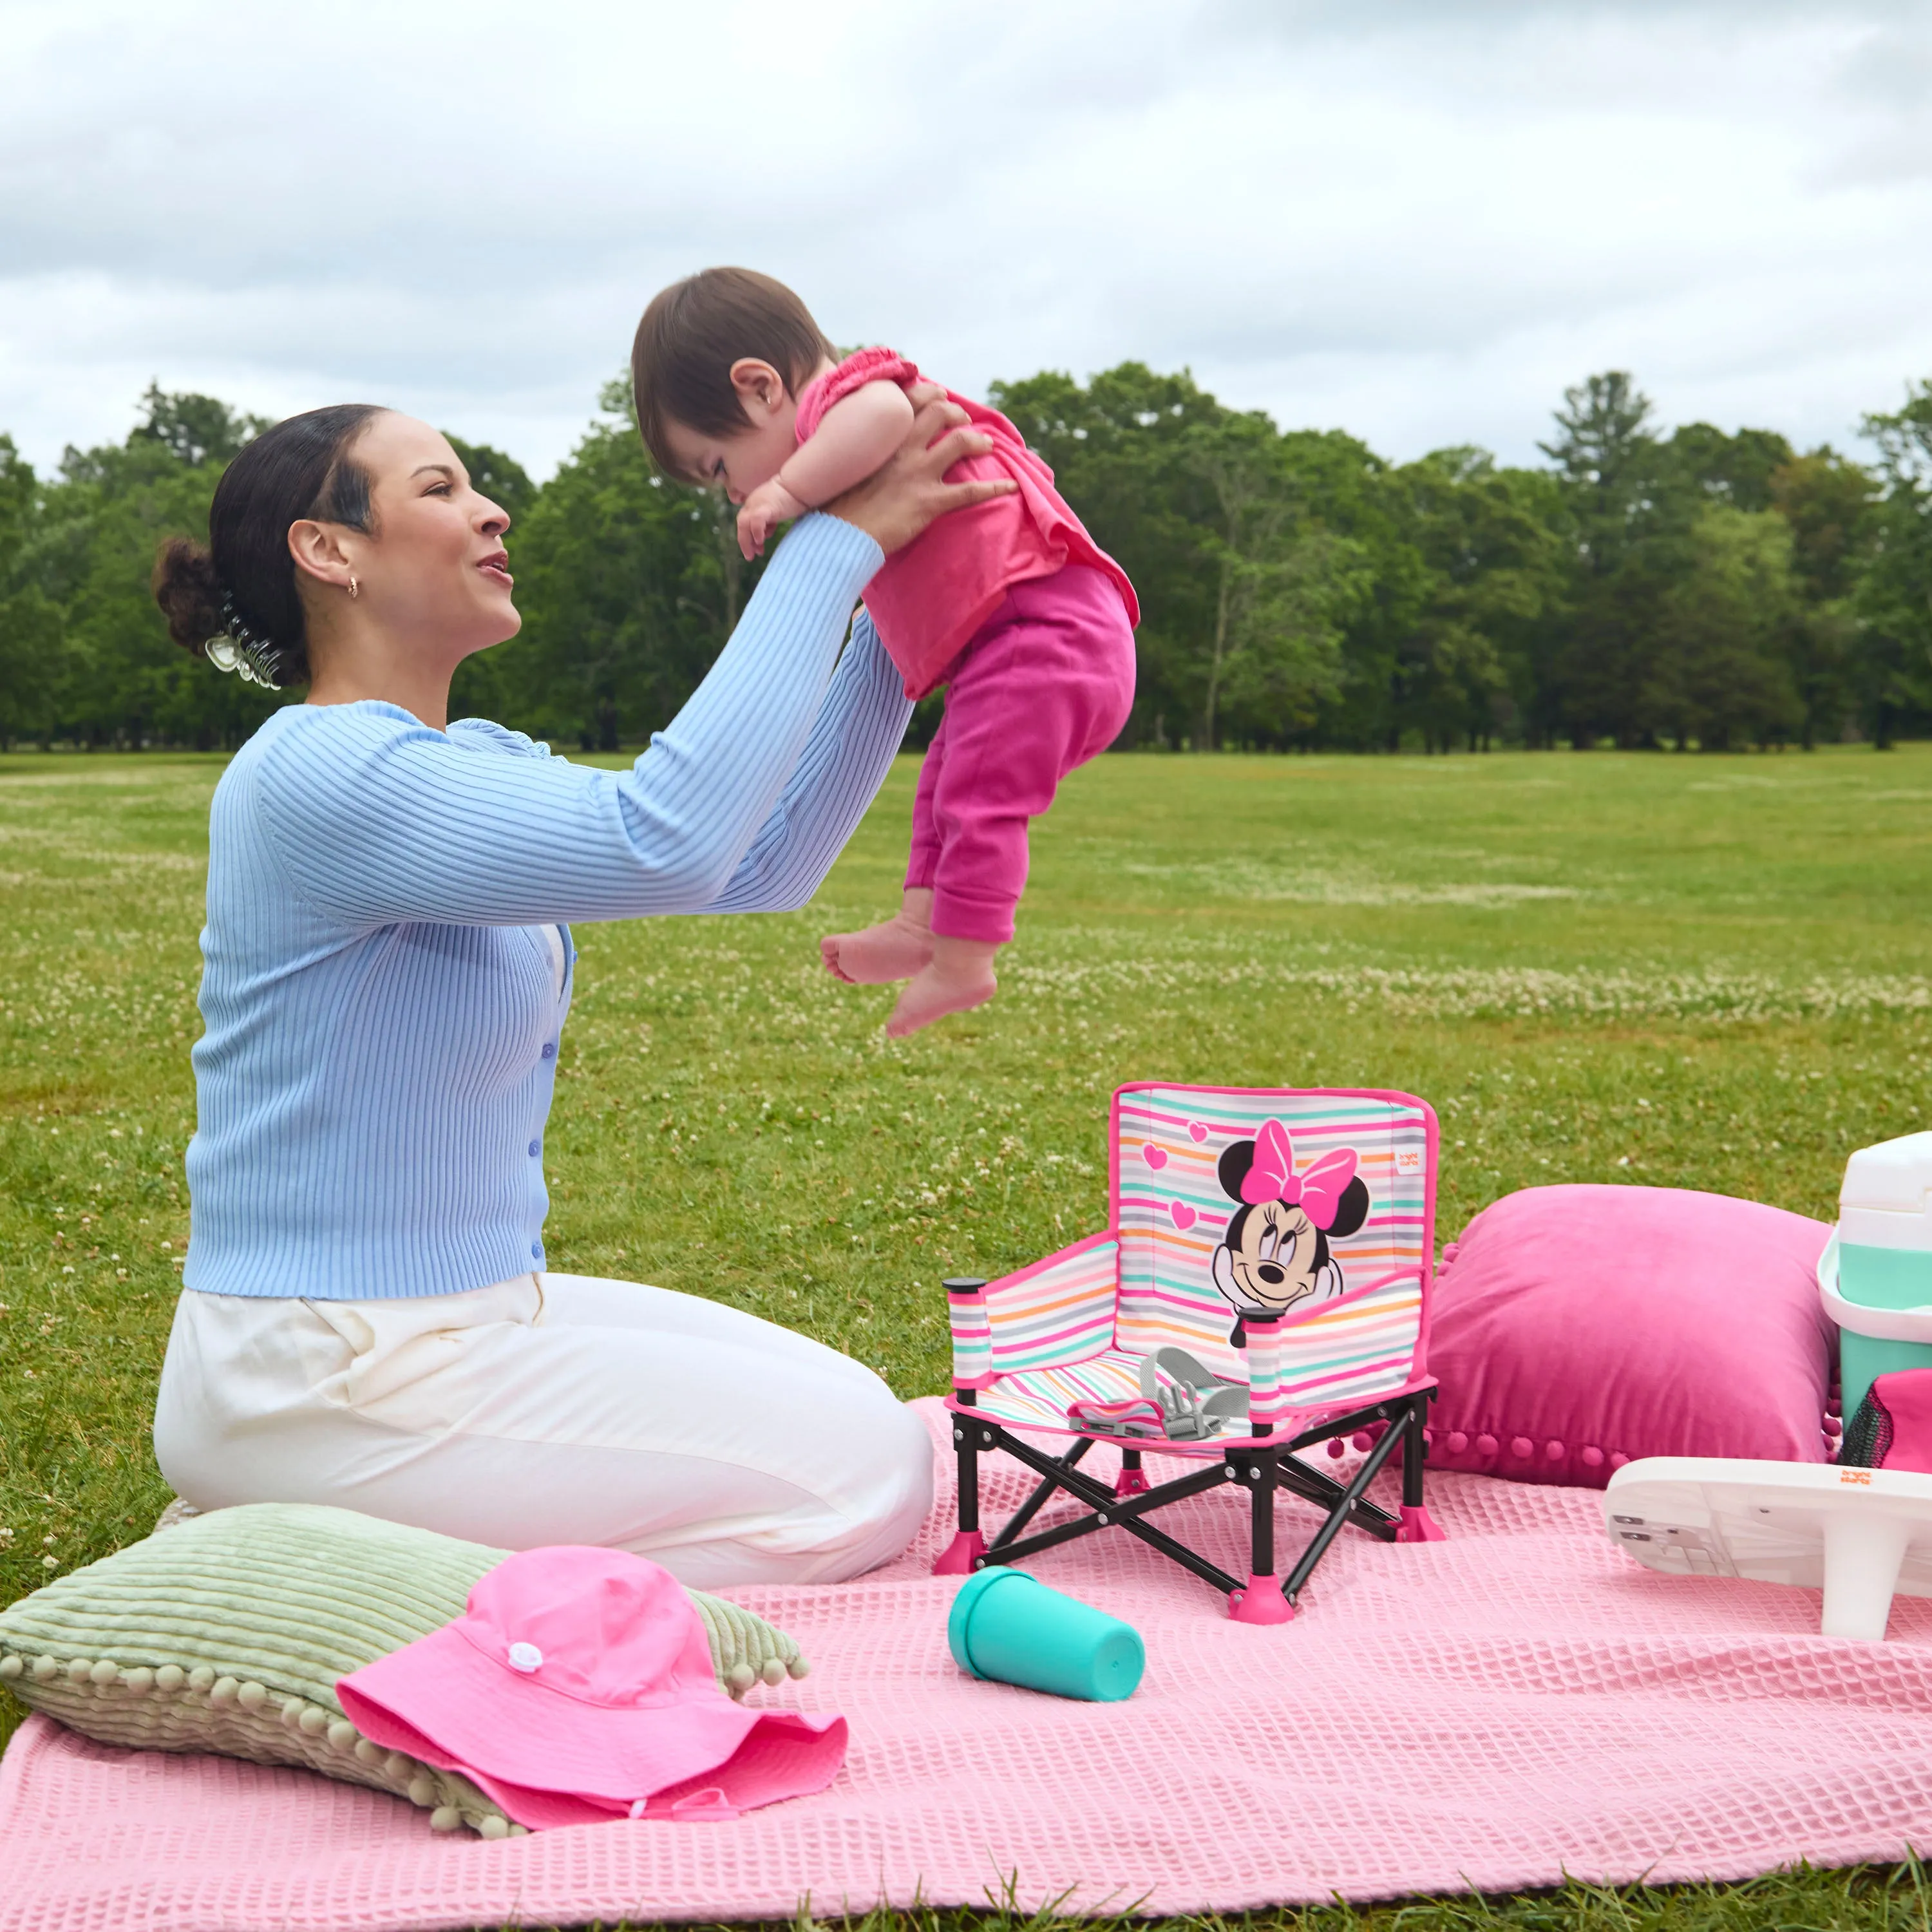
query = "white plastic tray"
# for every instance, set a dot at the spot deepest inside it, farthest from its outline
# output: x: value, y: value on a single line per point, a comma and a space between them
x: 1858, y: 1534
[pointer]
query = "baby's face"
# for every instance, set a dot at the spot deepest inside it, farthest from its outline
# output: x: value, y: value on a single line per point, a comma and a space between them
x: 739, y: 463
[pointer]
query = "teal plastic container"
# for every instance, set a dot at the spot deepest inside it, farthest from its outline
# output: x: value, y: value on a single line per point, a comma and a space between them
x: 1884, y: 1264
x: 1880, y: 1278
x: 1006, y: 1624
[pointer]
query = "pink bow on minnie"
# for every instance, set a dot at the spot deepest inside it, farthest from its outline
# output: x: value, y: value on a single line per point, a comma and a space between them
x: 1317, y: 1193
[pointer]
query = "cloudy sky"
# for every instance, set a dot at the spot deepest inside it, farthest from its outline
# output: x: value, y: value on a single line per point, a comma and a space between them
x: 1417, y: 220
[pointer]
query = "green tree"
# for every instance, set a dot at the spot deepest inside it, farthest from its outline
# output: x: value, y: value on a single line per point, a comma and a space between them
x: 1724, y: 673
x: 1605, y: 452
x: 1282, y: 586
x: 1894, y: 595
x: 1489, y: 541
x: 1608, y: 460
x: 92, y: 555
x: 1349, y: 492
x: 1737, y: 470
x: 195, y: 429
x: 30, y: 631
x: 1825, y: 501
x: 1753, y: 471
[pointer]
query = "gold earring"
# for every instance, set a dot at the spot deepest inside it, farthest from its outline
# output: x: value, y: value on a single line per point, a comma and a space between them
x: 351, y: 584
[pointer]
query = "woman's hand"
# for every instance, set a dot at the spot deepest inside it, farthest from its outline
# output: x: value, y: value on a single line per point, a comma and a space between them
x: 901, y: 497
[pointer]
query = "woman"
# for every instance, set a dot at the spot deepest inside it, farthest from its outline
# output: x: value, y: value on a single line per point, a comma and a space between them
x: 366, y: 1318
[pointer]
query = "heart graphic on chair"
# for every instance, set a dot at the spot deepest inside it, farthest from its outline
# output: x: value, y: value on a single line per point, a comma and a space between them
x: 1183, y: 1215
x: 1156, y: 1157
x: 1197, y: 1130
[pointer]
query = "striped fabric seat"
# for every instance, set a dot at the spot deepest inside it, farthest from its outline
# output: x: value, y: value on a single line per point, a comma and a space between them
x: 1078, y: 1324
x: 1040, y: 1398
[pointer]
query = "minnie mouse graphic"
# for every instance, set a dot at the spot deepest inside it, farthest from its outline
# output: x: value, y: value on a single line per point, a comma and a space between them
x: 1275, y: 1253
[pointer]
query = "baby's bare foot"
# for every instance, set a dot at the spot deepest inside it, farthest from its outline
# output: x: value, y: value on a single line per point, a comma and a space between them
x: 959, y: 976
x: 895, y: 949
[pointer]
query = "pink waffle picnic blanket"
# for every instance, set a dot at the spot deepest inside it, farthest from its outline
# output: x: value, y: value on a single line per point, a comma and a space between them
x: 1490, y: 1712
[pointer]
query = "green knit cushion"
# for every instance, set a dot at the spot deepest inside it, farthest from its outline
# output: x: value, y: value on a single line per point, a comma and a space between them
x: 226, y: 1633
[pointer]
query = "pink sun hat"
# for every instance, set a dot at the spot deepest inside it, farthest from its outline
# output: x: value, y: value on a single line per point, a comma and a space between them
x: 577, y: 1686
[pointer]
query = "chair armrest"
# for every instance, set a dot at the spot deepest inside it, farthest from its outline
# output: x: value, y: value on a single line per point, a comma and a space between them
x: 972, y: 1326
x: 1343, y: 1352
x: 1060, y: 1310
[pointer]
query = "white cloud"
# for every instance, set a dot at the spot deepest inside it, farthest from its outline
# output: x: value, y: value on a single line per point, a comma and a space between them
x: 1417, y: 222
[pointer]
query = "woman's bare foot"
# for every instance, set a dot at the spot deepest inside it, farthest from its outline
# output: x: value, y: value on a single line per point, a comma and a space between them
x: 959, y: 975
x: 895, y: 949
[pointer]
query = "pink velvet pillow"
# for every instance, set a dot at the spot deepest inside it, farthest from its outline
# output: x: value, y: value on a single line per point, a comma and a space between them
x: 1575, y: 1329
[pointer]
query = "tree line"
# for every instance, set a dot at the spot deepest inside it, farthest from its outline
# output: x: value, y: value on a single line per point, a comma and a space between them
x: 1692, y: 589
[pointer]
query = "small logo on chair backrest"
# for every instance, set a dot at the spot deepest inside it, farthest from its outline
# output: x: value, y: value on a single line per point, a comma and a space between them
x: 1855, y: 1476
x: 1409, y: 1160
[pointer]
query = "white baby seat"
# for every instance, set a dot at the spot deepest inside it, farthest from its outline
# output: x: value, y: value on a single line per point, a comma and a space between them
x: 1858, y: 1534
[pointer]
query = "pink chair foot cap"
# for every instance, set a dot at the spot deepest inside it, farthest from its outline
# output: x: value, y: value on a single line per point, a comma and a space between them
x: 1132, y: 1483
x: 959, y: 1557
x: 1418, y: 1526
x: 1260, y: 1603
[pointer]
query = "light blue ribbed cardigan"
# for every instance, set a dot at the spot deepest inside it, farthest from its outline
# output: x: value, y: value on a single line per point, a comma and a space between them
x: 382, y: 1016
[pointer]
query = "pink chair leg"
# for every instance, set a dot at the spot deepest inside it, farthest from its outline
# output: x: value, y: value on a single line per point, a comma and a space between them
x: 959, y: 1557
x: 1260, y: 1603
x: 1418, y: 1526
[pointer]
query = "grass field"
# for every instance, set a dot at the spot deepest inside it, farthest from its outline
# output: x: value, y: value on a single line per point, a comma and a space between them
x: 1707, y: 972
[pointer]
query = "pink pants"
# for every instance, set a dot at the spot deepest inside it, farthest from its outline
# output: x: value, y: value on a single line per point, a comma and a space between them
x: 1045, y: 684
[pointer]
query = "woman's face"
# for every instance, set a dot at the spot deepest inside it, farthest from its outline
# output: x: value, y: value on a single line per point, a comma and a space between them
x: 433, y: 568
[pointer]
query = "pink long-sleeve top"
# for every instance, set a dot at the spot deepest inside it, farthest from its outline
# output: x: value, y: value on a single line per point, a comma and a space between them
x: 928, y: 598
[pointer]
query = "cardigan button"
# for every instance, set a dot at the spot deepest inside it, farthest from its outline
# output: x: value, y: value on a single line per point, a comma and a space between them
x: 536, y: 1148
x: 550, y: 1049
x: 536, y: 1251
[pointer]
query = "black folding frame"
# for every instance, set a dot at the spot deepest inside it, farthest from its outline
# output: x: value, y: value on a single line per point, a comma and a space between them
x: 1263, y: 1467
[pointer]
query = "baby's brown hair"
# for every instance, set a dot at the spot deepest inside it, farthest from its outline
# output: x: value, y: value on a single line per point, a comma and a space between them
x: 692, y: 333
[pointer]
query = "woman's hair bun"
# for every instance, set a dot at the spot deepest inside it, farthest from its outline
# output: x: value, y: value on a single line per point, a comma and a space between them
x: 240, y: 586
x: 188, y: 591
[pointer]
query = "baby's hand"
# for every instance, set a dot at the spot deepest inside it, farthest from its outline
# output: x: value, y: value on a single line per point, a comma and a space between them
x: 769, y: 504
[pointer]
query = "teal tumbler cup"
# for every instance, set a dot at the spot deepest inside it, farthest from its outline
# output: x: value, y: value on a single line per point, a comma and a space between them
x: 1006, y: 1625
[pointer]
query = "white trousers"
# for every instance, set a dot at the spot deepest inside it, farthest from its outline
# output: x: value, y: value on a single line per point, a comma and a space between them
x: 552, y: 1408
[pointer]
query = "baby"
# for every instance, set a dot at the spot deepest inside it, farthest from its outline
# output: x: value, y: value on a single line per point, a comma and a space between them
x: 1008, y: 605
